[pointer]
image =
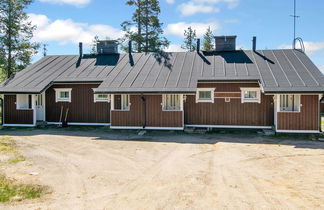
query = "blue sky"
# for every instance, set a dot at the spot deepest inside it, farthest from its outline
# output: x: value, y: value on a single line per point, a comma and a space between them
x: 64, y: 23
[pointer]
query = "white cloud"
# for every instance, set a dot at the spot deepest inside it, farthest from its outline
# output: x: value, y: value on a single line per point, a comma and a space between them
x: 77, y: 3
x: 231, y: 3
x: 178, y: 28
x: 191, y: 8
x: 170, y: 1
x: 174, y: 48
x: 66, y: 31
x: 310, y: 47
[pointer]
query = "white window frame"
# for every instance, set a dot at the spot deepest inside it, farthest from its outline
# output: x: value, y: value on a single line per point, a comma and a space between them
x: 97, y: 99
x: 249, y: 100
x: 164, y: 100
x: 122, y: 101
x: 57, y: 95
x: 285, y: 111
x: 212, y: 94
x: 22, y: 102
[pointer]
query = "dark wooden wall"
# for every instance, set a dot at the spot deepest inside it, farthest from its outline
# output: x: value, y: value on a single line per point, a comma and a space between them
x: 133, y: 117
x: 322, y: 107
x: 306, y: 119
x: 227, y: 87
x: 82, y: 108
x: 229, y: 113
x: 14, y: 116
x: 153, y: 114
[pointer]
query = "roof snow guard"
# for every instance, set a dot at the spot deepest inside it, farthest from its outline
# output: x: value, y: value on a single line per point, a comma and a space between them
x: 276, y: 70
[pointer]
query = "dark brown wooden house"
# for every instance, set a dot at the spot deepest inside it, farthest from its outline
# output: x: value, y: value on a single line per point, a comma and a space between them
x: 227, y: 88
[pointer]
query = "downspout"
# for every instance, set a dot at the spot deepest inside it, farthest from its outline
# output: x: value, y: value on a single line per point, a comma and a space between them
x: 2, y: 111
x: 144, y: 110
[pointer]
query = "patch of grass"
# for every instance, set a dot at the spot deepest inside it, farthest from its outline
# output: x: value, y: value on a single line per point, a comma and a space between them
x: 17, y: 192
x: 8, y: 147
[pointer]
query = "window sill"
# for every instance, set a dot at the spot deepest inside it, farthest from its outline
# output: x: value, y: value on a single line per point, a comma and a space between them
x: 120, y: 110
x: 288, y: 111
x: 101, y: 101
x: 205, y: 101
x: 24, y: 109
x: 165, y: 110
x: 251, y: 101
x: 68, y: 101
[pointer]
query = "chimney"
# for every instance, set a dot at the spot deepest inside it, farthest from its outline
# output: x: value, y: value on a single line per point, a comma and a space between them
x: 198, y: 45
x: 130, y: 47
x: 225, y: 43
x: 254, y: 43
x: 107, y: 47
x: 80, y: 49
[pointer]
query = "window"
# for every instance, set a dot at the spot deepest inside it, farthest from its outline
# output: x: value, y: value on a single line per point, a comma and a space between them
x: 251, y: 95
x: 101, y: 98
x: 121, y: 102
x: 63, y: 95
x: 24, y: 101
x: 172, y: 102
x: 205, y: 95
x: 289, y: 103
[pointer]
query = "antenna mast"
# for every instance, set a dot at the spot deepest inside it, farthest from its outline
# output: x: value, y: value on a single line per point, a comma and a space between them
x: 45, y: 49
x: 295, y: 16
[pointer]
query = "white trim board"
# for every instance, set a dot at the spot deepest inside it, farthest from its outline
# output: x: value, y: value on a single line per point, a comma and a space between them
x: 74, y: 123
x: 230, y: 126
x: 18, y: 125
x: 298, y: 131
x: 146, y: 128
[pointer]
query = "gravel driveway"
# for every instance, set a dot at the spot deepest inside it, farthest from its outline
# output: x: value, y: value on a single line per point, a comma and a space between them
x: 111, y: 170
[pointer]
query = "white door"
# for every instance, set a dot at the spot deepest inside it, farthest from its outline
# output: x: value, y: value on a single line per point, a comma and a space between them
x: 40, y: 108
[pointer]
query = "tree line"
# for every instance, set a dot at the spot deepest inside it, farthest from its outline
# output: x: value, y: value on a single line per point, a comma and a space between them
x: 144, y: 29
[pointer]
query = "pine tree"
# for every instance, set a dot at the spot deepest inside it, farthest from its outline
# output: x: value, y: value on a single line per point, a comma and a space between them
x: 15, y: 36
x: 145, y: 19
x: 208, y: 40
x: 189, y: 41
x: 94, y: 45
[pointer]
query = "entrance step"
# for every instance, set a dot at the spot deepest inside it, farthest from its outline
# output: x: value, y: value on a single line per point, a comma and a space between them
x: 195, y: 130
x: 268, y: 132
x: 41, y: 124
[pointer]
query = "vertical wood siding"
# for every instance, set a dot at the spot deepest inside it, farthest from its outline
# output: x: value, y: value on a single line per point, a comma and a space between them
x: 229, y: 113
x: 82, y: 108
x: 306, y: 119
x: 153, y: 114
x: 227, y: 87
x: 14, y: 116
x: 156, y: 117
x: 133, y: 117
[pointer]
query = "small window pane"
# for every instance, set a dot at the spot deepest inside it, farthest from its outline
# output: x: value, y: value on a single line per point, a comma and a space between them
x: 117, y: 102
x: 102, y: 96
x: 64, y: 94
x: 250, y: 94
x: 289, y: 103
x: 205, y: 95
x: 172, y: 102
x: 125, y: 102
x: 121, y: 102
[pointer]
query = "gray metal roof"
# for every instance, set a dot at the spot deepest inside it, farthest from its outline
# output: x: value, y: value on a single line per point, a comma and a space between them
x: 276, y: 70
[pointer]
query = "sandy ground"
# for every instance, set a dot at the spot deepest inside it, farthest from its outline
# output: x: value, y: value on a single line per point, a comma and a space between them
x: 110, y: 170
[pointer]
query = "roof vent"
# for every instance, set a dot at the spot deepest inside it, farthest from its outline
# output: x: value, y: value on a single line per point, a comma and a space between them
x: 225, y: 43
x: 107, y: 47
